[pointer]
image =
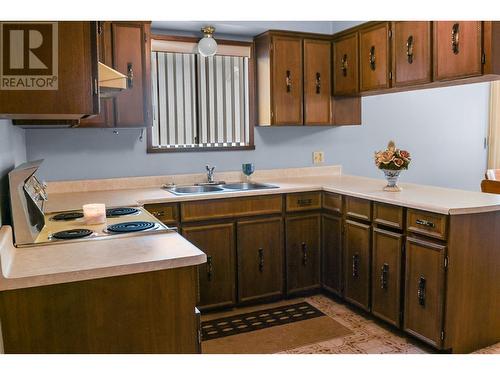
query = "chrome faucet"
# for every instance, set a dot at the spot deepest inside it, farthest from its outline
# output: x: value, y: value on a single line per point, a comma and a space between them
x: 210, y: 173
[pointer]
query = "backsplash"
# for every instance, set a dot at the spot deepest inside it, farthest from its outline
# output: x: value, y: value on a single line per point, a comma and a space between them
x: 444, y: 128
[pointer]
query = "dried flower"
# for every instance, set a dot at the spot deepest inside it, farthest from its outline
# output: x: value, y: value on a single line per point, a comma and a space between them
x: 392, y: 158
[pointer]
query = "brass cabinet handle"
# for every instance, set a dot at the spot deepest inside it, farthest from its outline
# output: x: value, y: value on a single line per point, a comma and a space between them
x: 158, y: 213
x: 130, y: 75
x: 288, y: 81
x: 409, y: 49
x: 425, y: 223
x: 372, y: 58
x: 304, y: 202
x: 343, y: 65
x: 384, y: 275
x: 210, y: 268
x: 318, y: 83
x: 261, y: 259
x: 355, y: 265
x: 304, y: 253
x: 455, y: 36
x: 421, y: 291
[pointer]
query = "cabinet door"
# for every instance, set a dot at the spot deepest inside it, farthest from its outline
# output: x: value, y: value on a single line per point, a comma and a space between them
x: 386, y: 275
x: 457, y: 49
x: 217, y: 275
x: 317, y: 82
x: 260, y: 258
x: 303, y: 252
x: 132, y: 56
x: 374, y: 57
x: 357, y: 264
x: 287, y: 81
x: 345, y: 65
x: 411, y: 53
x: 105, y: 118
x: 332, y: 254
x: 74, y: 71
x: 424, y: 290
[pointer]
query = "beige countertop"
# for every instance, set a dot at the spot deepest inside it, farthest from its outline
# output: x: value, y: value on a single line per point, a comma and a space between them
x: 428, y: 198
x: 61, y: 263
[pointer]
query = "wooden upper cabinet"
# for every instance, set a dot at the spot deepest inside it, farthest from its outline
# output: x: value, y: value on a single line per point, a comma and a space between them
x: 74, y: 67
x: 126, y: 47
x: 411, y: 53
x: 374, y: 57
x: 345, y: 65
x: 457, y: 49
x: 287, y: 84
x: 132, y: 56
x: 317, y: 82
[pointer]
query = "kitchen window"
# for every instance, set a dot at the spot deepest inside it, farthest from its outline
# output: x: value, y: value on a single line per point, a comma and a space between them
x: 201, y: 103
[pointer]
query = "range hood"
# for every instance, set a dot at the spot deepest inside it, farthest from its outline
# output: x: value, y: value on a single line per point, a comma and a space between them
x: 111, y: 81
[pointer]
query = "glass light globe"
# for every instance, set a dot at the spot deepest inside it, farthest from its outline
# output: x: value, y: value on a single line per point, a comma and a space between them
x: 207, y: 46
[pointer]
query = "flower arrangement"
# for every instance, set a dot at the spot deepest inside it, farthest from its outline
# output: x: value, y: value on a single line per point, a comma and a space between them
x: 392, y: 158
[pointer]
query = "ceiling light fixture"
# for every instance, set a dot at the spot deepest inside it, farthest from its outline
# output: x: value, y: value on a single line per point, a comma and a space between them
x: 207, y: 46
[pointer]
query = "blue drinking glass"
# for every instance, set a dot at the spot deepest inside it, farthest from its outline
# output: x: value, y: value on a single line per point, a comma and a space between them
x: 248, y: 169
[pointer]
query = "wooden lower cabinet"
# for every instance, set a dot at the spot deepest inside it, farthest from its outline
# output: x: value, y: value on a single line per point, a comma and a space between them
x: 424, y: 290
x: 357, y: 264
x: 331, y: 272
x: 386, y: 275
x: 152, y: 312
x: 217, y: 275
x: 303, y: 252
x: 260, y: 258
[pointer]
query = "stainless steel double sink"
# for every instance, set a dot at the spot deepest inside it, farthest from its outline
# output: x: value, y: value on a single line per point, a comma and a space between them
x: 217, y: 188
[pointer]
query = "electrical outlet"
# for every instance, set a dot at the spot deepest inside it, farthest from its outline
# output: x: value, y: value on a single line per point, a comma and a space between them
x: 318, y: 157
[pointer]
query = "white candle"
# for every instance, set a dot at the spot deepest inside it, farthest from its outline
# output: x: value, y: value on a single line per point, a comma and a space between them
x: 94, y: 213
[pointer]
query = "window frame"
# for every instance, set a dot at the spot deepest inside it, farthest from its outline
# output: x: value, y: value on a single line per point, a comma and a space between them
x: 251, y: 99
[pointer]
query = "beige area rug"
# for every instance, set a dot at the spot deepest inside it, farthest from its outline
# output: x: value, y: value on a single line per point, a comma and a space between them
x: 270, y: 339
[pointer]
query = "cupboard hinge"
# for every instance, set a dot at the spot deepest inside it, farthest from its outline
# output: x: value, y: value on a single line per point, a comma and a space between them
x: 442, y: 335
x: 145, y: 38
x: 272, y: 114
x: 446, y: 262
x: 99, y: 27
x: 483, y: 58
x: 390, y: 75
x: 390, y: 34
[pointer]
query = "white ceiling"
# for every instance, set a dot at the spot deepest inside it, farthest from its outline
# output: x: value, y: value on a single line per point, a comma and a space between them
x: 248, y: 29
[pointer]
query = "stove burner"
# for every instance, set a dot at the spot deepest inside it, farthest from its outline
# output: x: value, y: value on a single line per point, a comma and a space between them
x: 66, y: 216
x: 131, y: 226
x: 120, y: 211
x: 72, y: 234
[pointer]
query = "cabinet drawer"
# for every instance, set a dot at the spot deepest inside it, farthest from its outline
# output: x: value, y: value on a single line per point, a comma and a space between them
x: 303, y: 201
x: 386, y: 214
x: 332, y: 202
x: 358, y: 208
x: 427, y: 223
x: 166, y: 213
x: 235, y: 207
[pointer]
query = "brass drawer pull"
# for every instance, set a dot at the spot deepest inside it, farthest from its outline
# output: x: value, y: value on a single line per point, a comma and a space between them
x: 421, y: 291
x: 288, y: 81
x: 409, y: 49
x: 343, y: 65
x: 304, y: 254
x: 261, y: 259
x: 355, y: 265
x: 455, y: 36
x: 304, y: 202
x: 159, y: 213
x: 384, y: 275
x: 130, y: 76
x: 372, y: 58
x: 210, y: 268
x: 425, y: 223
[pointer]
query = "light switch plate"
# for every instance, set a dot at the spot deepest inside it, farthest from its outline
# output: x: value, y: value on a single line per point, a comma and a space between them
x: 318, y: 157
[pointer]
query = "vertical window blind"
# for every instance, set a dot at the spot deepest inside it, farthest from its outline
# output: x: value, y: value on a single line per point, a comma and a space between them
x: 199, y: 102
